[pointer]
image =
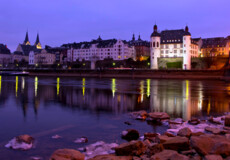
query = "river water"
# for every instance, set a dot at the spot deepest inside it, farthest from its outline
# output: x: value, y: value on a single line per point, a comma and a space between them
x: 96, y: 108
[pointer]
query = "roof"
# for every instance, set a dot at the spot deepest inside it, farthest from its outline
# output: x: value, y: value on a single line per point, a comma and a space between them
x: 86, y: 45
x: 4, y: 49
x: 139, y: 42
x: 173, y: 36
x: 214, y: 42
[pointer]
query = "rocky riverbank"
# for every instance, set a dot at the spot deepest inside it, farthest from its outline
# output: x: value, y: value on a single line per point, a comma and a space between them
x: 184, y: 140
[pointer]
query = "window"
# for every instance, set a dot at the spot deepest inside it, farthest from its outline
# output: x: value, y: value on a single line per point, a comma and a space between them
x: 175, y: 46
x: 157, y: 44
x: 167, y: 52
x: 175, y: 51
x: 162, y: 51
x: 167, y: 46
x: 154, y: 44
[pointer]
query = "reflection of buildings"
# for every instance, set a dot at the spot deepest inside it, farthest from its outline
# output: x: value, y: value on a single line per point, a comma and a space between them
x: 178, y: 98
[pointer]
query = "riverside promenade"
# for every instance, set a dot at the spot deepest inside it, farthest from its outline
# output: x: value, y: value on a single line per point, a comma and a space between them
x: 133, y: 73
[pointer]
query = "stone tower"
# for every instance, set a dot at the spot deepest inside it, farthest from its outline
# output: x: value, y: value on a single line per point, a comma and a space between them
x: 155, y: 42
x: 186, y: 49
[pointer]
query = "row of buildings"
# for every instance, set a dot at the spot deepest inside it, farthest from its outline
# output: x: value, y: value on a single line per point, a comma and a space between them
x: 165, y: 44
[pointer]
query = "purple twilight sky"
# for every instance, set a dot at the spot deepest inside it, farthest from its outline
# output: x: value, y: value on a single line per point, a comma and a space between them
x: 65, y: 21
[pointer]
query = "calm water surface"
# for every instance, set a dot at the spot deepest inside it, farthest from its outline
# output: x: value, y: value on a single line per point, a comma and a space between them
x: 96, y: 108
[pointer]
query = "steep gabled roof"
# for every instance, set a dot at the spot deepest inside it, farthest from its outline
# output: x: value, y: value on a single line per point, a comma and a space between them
x: 27, y: 48
x: 172, y: 36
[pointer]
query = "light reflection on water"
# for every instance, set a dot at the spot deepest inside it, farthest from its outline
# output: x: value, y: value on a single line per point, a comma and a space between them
x: 98, y: 107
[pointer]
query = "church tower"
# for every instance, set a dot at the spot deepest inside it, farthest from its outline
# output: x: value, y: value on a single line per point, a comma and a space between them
x: 155, y: 42
x: 37, y: 43
x: 187, y: 49
x: 26, y: 41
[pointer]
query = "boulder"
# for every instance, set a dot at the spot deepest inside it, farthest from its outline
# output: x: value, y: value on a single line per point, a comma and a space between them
x: 99, y: 148
x: 169, y: 155
x: 176, y: 121
x: 67, y: 154
x: 130, y: 134
x: 81, y: 140
x: 184, y: 132
x: 214, y: 120
x: 169, y: 134
x: 154, y: 148
x: 162, y: 138
x: 151, y: 136
x: 227, y: 121
x: 213, y: 130
x: 194, y: 121
x: 177, y: 143
x: 133, y: 148
x: 197, y: 133
x: 139, y: 115
x: 128, y: 123
x: 211, y: 144
x: 157, y: 116
x: 213, y: 157
x: 22, y: 142
x: 111, y: 157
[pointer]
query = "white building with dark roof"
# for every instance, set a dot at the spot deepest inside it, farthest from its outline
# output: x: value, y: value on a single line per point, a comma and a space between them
x: 99, y: 50
x: 170, y: 44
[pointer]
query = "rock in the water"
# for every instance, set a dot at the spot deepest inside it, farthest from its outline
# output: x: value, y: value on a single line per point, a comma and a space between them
x: 213, y: 130
x: 139, y: 115
x: 176, y: 121
x: 162, y: 138
x: 36, y: 158
x: 154, y: 148
x: 194, y: 121
x: 128, y: 123
x: 213, y: 157
x: 184, y: 132
x: 111, y: 157
x: 169, y: 134
x: 56, y: 136
x: 67, y: 154
x: 177, y: 143
x: 133, y: 148
x: 130, y: 134
x: 169, y: 155
x: 151, y: 136
x: 81, y: 140
x: 157, y: 116
x: 215, y: 120
x: 22, y: 142
x: 211, y: 144
x: 227, y: 120
x: 99, y: 148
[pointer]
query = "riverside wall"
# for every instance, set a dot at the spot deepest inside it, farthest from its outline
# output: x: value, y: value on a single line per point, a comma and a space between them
x: 157, y: 74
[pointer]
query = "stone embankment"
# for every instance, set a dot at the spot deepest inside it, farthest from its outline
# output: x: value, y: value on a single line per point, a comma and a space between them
x: 184, y: 140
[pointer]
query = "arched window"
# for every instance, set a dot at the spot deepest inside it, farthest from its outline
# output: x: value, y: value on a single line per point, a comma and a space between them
x: 154, y: 44
x: 157, y: 44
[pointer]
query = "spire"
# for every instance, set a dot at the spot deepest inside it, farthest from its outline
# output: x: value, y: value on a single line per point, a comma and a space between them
x: 133, y: 37
x: 139, y: 37
x: 37, y: 43
x: 26, y: 41
x: 186, y: 28
x: 99, y: 38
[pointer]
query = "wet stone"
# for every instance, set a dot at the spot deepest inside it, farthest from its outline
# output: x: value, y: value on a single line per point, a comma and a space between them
x: 130, y: 134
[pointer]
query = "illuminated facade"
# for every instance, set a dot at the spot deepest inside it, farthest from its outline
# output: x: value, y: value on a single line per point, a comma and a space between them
x: 215, y: 47
x: 99, y: 50
x: 142, y: 48
x: 41, y: 58
x: 170, y: 44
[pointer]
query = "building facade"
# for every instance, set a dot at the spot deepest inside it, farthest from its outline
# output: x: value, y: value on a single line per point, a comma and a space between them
x: 5, y: 56
x: 142, y: 48
x: 99, y: 50
x: 172, y: 44
x: 41, y: 58
x: 215, y: 47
